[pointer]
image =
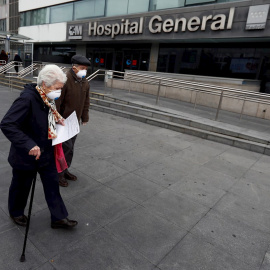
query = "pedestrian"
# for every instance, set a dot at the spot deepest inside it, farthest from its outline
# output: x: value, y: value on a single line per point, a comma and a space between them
x: 3, y: 58
x: 17, y: 59
x: 74, y: 97
x: 30, y: 126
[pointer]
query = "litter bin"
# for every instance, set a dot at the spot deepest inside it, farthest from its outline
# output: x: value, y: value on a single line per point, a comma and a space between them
x: 27, y: 59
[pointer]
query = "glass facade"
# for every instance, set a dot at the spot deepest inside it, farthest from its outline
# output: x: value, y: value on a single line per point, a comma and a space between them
x: 232, y: 60
x: 3, y: 26
x: 86, y: 9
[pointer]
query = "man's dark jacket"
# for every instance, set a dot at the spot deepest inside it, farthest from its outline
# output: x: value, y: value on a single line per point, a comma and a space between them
x: 74, y: 97
x: 26, y: 125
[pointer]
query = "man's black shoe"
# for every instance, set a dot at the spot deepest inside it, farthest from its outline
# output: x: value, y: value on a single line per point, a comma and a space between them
x: 64, y: 223
x: 21, y: 220
x: 70, y: 176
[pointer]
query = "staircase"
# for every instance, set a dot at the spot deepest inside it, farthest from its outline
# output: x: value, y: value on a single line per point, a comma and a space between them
x: 13, y: 82
x: 206, y: 129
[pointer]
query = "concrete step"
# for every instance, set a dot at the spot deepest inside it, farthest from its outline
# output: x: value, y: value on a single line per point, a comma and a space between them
x: 16, y: 83
x: 177, y: 123
x: 174, y: 118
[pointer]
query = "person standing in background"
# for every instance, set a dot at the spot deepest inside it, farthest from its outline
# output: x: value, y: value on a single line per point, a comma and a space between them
x: 3, y: 57
x: 74, y: 97
x: 17, y: 59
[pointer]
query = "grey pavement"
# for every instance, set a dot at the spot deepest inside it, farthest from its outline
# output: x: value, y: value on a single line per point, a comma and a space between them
x: 146, y: 198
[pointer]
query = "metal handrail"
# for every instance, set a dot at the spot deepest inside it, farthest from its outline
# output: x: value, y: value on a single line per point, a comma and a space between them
x: 220, y: 91
x: 7, y: 67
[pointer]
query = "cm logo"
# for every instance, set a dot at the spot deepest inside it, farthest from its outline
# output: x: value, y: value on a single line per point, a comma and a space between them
x: 75, y: 32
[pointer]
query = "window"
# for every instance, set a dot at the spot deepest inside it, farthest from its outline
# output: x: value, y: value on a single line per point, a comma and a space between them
x: 40, y: 16
x: 3, y: 25
x: 87, y: 9
x: 138, y: 6
x: 192, y: 2
x: 62, y: 13
x: 115, y: 8
x: 161, y: 4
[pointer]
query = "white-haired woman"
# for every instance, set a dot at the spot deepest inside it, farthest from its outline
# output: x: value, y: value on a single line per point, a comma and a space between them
x: 30, y: 126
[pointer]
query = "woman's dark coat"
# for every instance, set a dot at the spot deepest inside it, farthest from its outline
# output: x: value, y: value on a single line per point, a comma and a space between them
x: 26, y: 125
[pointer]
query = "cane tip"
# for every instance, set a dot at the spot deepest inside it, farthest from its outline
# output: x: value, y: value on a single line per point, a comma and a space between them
x: 22, y: 258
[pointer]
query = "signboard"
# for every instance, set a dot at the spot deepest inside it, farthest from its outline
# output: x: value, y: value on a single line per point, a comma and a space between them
x: 257, y: 17
x: 75, y: 31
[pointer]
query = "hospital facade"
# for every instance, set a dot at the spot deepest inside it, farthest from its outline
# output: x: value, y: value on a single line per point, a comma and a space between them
x: 199, y: 37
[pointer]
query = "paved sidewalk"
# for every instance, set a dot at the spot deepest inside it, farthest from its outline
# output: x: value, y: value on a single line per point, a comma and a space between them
x: 146, y: 198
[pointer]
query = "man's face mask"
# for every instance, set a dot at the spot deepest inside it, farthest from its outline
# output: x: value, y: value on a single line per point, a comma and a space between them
x: 81, y: 73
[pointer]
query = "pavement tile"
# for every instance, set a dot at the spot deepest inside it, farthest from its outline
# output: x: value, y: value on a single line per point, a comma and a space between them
x: 266, y: 261
x: 6, y: 222
x: 5, y: 176
x: 40, y: 232
x: 242, y: 241
x: 102, y: 204
x: 11, y: 246
x: 193, y: 253
x: 150, y: 235
x: 47, y: 266
x: 100, y: 250
x: 175, y: 161
x: 256, y: 194
x: 240, y: 157
x: 262, y: 165
x: 82, y: 184
x: 245, y: 211
x: 212, y: 178
x: 134, y: 159
x: 135, y: 187
x: 176, y: 208
x: 220, y: 165
x: 256, y: 177
x: 160, y: 174
x: 198, y: 191
x: 102, y: 170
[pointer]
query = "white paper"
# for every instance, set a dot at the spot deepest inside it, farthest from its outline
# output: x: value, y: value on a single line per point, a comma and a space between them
x: 69, y: 130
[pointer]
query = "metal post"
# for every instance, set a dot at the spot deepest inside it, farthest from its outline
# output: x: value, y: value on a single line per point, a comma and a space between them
x: 157, y: 99
x: 219, y: 105
x: 243, y: 107
x: 129, y: 86
x: 195, y: 102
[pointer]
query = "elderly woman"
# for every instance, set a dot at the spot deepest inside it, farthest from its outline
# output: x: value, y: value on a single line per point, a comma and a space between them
x: 30, y: 125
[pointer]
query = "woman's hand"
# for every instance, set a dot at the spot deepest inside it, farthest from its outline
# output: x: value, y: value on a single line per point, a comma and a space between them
x: 35, y: 151
x: 61, y: 122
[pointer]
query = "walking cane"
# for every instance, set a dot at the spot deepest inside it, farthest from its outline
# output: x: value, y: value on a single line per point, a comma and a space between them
x: 22, y: 259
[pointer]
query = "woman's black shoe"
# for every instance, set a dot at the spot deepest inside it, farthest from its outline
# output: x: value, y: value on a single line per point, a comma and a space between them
x: 64, y: 223
x: 21, y: 220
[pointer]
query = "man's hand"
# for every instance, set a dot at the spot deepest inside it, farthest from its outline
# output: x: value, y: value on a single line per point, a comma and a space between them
x: 61, y: 122
x: 35, y: 151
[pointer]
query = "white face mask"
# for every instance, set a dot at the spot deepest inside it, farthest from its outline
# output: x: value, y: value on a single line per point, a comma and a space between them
x: 55, y: 94
x: 81, y: 74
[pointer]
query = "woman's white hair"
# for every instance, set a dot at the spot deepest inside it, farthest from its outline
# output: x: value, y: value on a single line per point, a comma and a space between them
x: 50, y: 75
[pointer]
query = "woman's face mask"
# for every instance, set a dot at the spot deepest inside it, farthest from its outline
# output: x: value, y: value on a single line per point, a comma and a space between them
x: 54, y: 94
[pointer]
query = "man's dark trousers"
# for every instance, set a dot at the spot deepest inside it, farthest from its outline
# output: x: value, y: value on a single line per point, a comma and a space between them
x: 68, y: 148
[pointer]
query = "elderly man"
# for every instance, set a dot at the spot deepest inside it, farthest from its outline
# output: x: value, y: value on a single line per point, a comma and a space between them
x: 74, y: 97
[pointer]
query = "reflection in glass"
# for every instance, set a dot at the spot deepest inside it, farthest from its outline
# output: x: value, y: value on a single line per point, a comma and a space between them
x: 62, y: 13
x: 138, y: 6
x: 115, y: 8
x: 87, y: 9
